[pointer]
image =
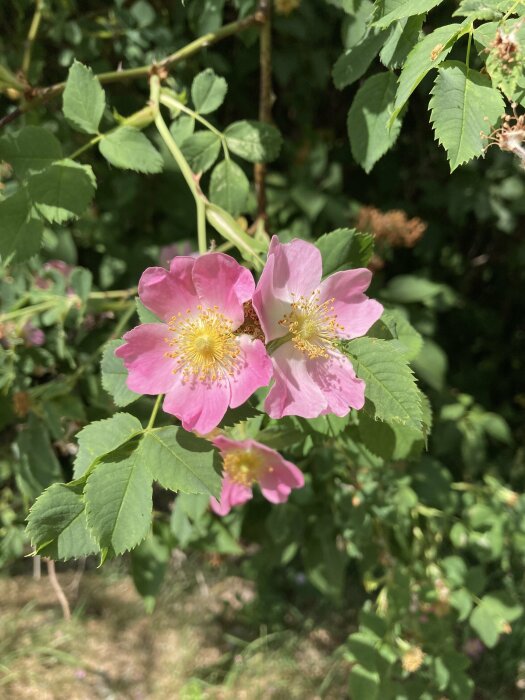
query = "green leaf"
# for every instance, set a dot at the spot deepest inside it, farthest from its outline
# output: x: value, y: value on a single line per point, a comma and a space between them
x: 149, y: 563
x: 20, y: 235
x: 144, y: 314
x: 38, y: 466
x: 353, y: 64
x: 102, y: 437
x: 182, y: 128
x: 396, y: 320
x: 486, y: 625
x: 355, y: 24
x: 128, y: 148
x: 119, y: 501
x: 390, y: 383
x: 201, y: 150
x: 344, y: 248
x: 363, y: 683
x: 229, y: 187
x: 254, y: 141
x: 208, y: 91
x: 483, y: 9
x: 180, y: 461
x: 57, y: 526
x: 30, y: 150
x: 81, y: 281
x: 410, y: 289
x: 425, y: 55
x: 83, y: 100
x: 115, y: 375
x: 401, y: 41
x: 463, y: 106
x: 394, y: 10
x: 431, y: 365
x: 368, y: 120
x: 63, y: 190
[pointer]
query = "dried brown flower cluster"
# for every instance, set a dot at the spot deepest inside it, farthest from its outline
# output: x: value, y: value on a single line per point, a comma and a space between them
x: 393, y: 227
x: 505, y: 48
x: 511, y: 134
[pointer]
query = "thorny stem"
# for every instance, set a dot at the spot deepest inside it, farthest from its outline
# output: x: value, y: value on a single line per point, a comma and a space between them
x: 265, y: 100
x: 33, y: 31
x: 154, y: 412
x: 38, y: 96
x: 187, y: 173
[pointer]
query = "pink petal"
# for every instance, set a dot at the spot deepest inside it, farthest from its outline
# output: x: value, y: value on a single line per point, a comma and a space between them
x: 294, y: 393
x: 336, y: 378
x: 298, y: 268
x: 231, y: 495
x: 355, y: 311
x: 253, y: 370
x: 168, y: 292
x: 280, y: 479
x: 200, y: 406
x: 221, y: 281
x: 144, y: 355
x: 268, y: 307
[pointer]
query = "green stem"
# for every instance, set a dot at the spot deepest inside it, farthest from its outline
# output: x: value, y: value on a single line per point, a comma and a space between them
x: 33, y: 31
x: 86, y: 146
x: 274, y: 344
x: 185, y: 169
x: 467, y: 60
x: 510, y: 11
x: 41, y: 95
x: 154, y: 412
x: 28, y: 310
x: 114, y: 294
x: 172, y: 103
x: 201, y: 226
x: 140, y: 120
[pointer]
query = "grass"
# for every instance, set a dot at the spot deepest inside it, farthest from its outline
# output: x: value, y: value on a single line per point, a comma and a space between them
x: 207, y: 638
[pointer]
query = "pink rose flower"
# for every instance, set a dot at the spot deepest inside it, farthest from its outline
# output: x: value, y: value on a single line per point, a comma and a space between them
x: 246, y: 462
x: 194, y: 356
x: 312, y: 377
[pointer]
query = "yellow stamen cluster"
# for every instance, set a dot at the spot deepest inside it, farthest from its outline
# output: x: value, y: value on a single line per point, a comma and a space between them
x: 313, y: 325
x: 204, y: 345
x: 244, y: 466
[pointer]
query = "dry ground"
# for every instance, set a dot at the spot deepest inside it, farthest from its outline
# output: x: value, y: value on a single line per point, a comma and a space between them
x: 196, y: 645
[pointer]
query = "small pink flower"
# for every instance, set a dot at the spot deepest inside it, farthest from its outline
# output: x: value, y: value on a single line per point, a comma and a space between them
x: 194, y: 355
x: 168, y: 252
x: 247, y: 461
x: 60, y: 266
x: 33, y: 335
x: 312, y: 377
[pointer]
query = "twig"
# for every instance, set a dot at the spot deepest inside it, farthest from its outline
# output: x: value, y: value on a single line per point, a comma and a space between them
x: 37, y: 567
x: 40, y: 95
x: 33, y: 31
x: 265, y: 101
x: 58, y: 589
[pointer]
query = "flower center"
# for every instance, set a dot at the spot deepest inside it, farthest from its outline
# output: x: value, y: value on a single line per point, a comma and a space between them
x: 203, y: 345
x: 243, y: 466
x: 313, y: 325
